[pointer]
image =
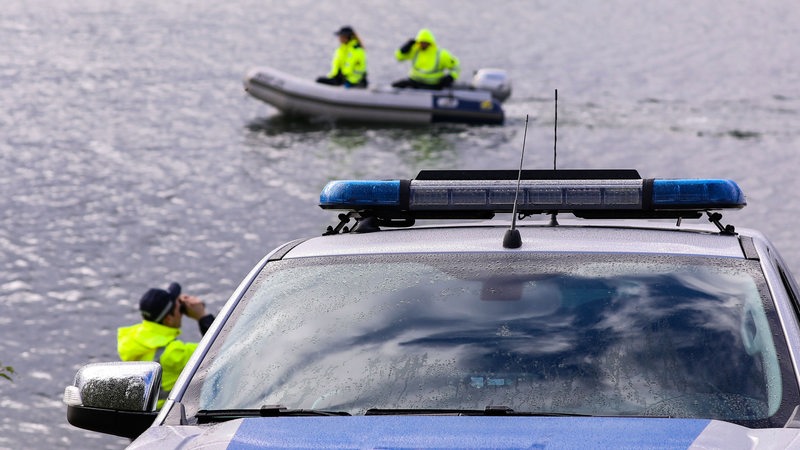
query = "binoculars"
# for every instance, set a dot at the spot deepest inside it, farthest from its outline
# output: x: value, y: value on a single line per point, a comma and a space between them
x: 183, y: 307
x: 175, y: 289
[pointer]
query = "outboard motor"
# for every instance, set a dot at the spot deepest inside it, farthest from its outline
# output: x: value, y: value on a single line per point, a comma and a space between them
x: 495, y: 81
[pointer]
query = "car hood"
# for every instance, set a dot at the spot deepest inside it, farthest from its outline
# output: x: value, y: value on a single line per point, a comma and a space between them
x: 466, y: 432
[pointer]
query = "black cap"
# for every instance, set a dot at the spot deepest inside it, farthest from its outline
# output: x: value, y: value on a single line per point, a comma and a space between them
x: 155, y: 304
x: 345, y: 31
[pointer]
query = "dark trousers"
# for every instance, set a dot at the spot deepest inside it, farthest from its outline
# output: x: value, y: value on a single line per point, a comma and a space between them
x: 444, y: 82
x: 409, y: 83
x: 339, y: 80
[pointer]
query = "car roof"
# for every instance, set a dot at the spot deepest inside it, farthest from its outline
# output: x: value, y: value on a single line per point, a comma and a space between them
x: 578, y: 235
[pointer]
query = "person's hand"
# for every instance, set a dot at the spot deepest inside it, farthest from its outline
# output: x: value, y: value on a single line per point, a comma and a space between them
x: 407, y: 46
x: 446, y: 81
x: 194, y: 307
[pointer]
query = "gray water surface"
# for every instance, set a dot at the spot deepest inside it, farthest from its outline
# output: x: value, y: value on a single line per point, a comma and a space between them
x: 132, y: 157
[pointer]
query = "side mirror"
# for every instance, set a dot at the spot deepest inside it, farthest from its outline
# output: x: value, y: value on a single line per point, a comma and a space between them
x: 116, y: 398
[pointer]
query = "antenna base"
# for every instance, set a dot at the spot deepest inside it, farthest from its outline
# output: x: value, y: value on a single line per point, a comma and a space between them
x: 553, y: 220
x: 512, y: 239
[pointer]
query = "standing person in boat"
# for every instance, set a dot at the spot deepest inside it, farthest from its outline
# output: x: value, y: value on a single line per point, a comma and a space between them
x: 155, y: 338
x: 432, y: 67
x: 349, y: 66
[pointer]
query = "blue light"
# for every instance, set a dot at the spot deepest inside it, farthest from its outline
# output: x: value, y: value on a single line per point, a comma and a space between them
x: 360, y: 194
x: 700, y: 194
x: 451, y: 198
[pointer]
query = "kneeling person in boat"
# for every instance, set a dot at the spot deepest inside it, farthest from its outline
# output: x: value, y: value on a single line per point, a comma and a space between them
x: 432, y: 67
x: 349, y: 66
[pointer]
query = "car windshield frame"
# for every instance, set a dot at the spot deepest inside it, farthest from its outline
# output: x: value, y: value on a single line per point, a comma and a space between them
x: 409, y: 308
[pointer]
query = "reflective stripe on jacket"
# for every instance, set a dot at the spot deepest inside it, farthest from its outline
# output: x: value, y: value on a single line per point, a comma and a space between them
x: 140, y: 343
x: 349, y: 60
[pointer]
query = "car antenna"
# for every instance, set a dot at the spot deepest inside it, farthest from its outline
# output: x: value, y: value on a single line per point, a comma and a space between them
x: 555, y: 132
x: 512, y: 238
x: 553, y: 221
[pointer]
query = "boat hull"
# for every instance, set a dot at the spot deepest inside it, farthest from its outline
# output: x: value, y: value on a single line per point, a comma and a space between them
x: 300, y: 97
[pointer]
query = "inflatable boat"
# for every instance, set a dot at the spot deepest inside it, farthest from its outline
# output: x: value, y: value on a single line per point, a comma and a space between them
x: 479, y: 102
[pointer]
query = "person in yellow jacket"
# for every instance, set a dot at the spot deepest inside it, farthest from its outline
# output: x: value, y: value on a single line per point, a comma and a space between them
x: 349, y: 65
x: 156, y: 338
x: 432, y: 67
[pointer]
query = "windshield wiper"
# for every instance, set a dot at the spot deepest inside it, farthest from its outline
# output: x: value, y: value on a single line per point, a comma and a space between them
x: 488, y: 411
x: 221, y: 415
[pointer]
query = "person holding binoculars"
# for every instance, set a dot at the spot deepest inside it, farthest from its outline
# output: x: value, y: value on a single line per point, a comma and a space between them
x: 432, y: 67
x: 156, y: 337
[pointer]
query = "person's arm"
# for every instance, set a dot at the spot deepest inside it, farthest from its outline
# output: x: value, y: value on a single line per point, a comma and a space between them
x: 452, y: 64
x: 403, y: 53
x: 173, y: 360
x: 336, y: 64
x: 196, y: 309
x: 205, y: 323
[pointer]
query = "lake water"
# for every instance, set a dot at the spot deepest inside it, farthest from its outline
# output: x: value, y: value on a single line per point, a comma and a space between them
x: 131, y: 156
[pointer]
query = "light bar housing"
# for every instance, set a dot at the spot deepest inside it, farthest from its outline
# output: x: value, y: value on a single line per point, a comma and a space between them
x: 481, y: 194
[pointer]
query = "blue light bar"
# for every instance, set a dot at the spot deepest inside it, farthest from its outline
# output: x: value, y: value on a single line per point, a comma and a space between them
x: 634, y: 197
x: 704, y: 194
x: 360, y: 194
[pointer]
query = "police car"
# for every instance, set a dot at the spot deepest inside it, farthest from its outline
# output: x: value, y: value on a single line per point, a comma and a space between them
x: 603, y: 314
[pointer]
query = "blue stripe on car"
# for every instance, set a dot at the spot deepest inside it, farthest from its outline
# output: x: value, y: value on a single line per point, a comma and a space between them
x: 466, y: 432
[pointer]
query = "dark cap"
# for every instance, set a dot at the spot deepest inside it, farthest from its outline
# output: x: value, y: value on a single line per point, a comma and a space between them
x: 345, y: 31
x: 155, y: 304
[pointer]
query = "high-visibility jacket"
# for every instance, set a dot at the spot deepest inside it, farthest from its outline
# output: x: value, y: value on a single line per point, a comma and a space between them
x: 151, y: 341
x: 349, y: 60
x: 430, y: 65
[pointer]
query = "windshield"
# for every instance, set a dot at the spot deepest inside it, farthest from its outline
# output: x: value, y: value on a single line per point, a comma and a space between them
x: 634, y: 335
